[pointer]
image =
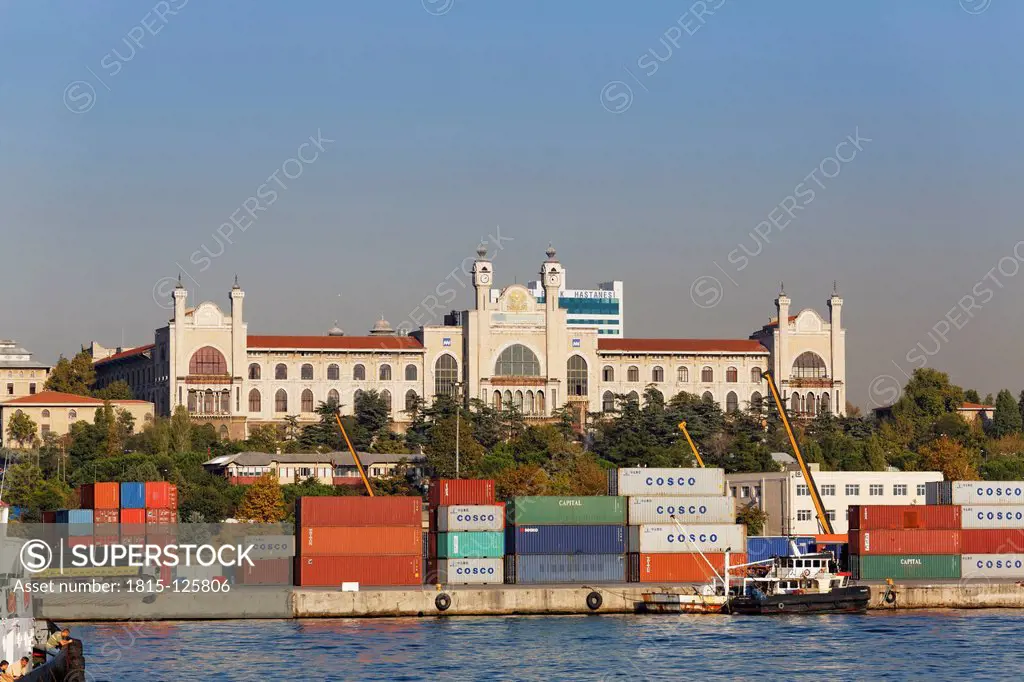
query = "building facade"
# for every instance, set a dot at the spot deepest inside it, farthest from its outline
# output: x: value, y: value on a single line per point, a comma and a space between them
x: 603, y: 307
x: 518, y: 345
x: 20, y: 375
x: 330, y: 468
x: 54, y: 413
x: 786, y: 498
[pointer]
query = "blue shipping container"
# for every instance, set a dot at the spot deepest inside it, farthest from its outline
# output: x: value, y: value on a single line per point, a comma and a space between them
x: 565, y: 540
x: 536, y: 569
x: 133, y: 496
x: 760, y: 548
x: 78, y: 521
x: 838, y: 549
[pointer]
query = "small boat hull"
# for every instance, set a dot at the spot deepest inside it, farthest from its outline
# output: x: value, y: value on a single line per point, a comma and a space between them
x: 838, y: 600
x: 682, y: 603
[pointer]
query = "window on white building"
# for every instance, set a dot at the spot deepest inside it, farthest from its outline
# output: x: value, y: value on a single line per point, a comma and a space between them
x: 757, y: 491
x: 852, y: 490
x: 900, y: 490
x: 745, y: 491
x: 732, y: 491
x: 803, y: 515
x: 922, y: 489
x: 828, y: 490
x: 876, y: 489
x: 830, y: 514
x: 802, y: 490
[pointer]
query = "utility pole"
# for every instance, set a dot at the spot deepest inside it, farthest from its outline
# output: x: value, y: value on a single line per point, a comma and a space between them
x: 458, y: 415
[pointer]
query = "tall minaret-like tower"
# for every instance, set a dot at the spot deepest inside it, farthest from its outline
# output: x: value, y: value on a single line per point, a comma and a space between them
x: 555, y: 323
x: 483, y: 276
x: 239, y: 343
x: 551, y: 275
x: 783, y: 362
x: 176, y: 341
x: 838, y: 339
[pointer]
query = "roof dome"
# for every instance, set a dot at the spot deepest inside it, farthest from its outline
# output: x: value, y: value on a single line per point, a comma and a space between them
x: 335, y: 330
x: 382, y: 328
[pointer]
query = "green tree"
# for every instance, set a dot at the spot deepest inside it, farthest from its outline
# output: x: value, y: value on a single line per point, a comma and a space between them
x: 440, y: 450
x: 72, y: 376
x: 116, y: 390
x: 181, y: 430
x: 753, y: 517
x: 22, y: 481
x: 951, y: 458
x: 265, y: 437
x: 263, y: 501
x: 21, y: 429
x: 388, y: 442
x: 525, y: 479
x: 989, y: 400
x: 1006, y: 419
x: 971, y: 396
x: 372, y: 415
x: 397, y: 481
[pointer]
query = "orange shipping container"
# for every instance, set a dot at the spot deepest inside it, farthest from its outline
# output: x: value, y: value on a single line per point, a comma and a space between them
x: 100, y: 496
x: 161, y: 495
x: 364, y: 540
x: 358, y: 511
x: 133, y: 516
x: 332, y: 571
x: 992, y: 541
x: 448, y: 492
x: 161, y: 516
x: 680, y: 568
x: 106, y: 516
x: 267, y: 572
x: 905, y: 542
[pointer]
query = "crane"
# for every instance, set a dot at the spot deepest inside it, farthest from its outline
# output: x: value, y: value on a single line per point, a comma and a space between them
x: 819, y: 507
x: 355, y: 457
x: 682, y: 427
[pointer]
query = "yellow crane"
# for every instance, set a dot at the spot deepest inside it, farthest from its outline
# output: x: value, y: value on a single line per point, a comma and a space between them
x: 819, y: 508
x: 682, y: 427
x: 355, y: 457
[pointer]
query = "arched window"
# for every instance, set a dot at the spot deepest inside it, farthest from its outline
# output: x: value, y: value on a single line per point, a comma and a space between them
x: 633, y: 397
x: 497, y: 404
x: 385, y: 395
x: 755, y: 375
x: 193, y: 402
x: 254, y: 371
x: 756, y: 402
x: 826, y: 402
x: 410, y: 373
x: 410, y: 400
x: 541, y: 407
x: 795, y: 399
x: 333, y: 372
x: 281, y: 371
x: 608, y: 373
x: 809, y: 365
x: 528, y: 403
x: 731, y: 375
x: 507, y: 399
x: 307, y: 400
x: 633, y: 374
x: 306, y: 372
x: 281, y: 401
x: 385, y: 373
x: 359, y: 373
x: 333, y: 397
x: 657, y: 375
x: 225, y: 401
x: 810, y: 409
x: 446, y: 374
x: 46, y: 414
x: 223, y: 431
x: 209, y: 402
x: 518, y: 400
x: 732, y: 402
x: 72, y: 414
x: 207, y: 360
x: 517, y: 361
x: 357, y: 396
x: 255, y: 401
x: 707, y: 397
x: 608, y: 402
x: 707, y: 375
x: 577, y: 375
x: 683, y: 375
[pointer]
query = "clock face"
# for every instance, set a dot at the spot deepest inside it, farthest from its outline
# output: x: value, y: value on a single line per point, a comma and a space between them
x: 552, y: 279
x: 485, y: 278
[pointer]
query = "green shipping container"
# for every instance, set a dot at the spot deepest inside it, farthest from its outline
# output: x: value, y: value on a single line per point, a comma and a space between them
x: 567, y: 511
x: 906, y: 567
x: 471, y: 545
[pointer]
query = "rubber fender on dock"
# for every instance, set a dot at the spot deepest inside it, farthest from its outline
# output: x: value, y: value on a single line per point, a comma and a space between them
x: 442, y: 602
x: 594, y: 601
x: 890, y: 597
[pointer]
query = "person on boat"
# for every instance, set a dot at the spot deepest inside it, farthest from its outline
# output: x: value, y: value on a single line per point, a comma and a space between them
x: 21, y: 668
x: 58, y: 640
x: 4, y: 675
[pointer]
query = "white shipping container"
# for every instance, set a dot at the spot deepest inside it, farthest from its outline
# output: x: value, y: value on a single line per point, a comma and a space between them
x: 670, y: 482
x: 271, y: 546
x: 470, y: 571
x: 992, y: 516
x: 473, y: 517
x: 669, y: 537
x: 650, y: 510
x: 991, y: 566
x: 988, y: 492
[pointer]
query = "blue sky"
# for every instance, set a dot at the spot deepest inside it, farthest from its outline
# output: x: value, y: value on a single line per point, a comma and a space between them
x: 446, y: 125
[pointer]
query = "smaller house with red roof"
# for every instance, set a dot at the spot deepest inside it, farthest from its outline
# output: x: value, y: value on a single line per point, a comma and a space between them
x: 54, y: 413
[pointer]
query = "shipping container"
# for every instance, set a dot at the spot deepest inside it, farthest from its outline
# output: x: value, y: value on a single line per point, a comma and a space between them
x: 992, y: 516
x: 975, y: 492
x: 133, y: 516
x: 567, y: 511
x: 992, y: 541
x: 266, y: 572
x: 161, y: 516
x: 566, y: 540
x: 906, y: 567
x: 133, y: 496
x: 271, y: 546
x: 470, y: 544
x: 761, y: 547
x: 106, y: 516
x: 640, y: 481
x: 671, y: 538
x: 49, y: 517
x: 681, y: 568
x: 478, y: 571
x: 991, y: 566
x: 369, y: 571
x: 647, y: 510
x: 78, y: 521
x: 905, y: 542
x: 904, y: 517
x: 358, y: 511
x: 359, y: 540
x: 161, y: 495
x: 538, y: 569
x: 75, y: 540
x: 100, y: 496
x: 479, y: 517
x: 447, y: 492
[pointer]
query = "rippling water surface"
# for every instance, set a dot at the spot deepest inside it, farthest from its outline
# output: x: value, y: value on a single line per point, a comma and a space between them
x: 938, y: 645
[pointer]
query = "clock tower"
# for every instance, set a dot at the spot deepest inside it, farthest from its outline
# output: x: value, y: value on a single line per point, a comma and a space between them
x: 483, y: 276
x: 552, y: 276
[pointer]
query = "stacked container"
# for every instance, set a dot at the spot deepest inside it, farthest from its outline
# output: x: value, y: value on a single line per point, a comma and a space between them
x: 565, y: 540
x: 992, y: 523
x: 673, y: 513
x: 466, y: 544
x: 373, y: 541
x: 905, y: 542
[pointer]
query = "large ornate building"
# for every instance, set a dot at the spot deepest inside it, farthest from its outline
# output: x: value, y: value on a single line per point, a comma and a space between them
x: 514, y: 346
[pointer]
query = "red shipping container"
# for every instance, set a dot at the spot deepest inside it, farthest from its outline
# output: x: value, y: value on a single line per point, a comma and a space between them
x: 445, y: 492
x: 106, y: 516
x: 267, y: 572
x: 680, y: 568
x: 161, y: 495
x: 161, y: 516
x: 106, y: 539
x: 358, y: 511
x: 905, y: 542
x: 361, y: 540
x: 134, y: 538
x: 992, y: 541
x: 133, y: 516
x: 49, y: 517
x: 904, y: 517
x: 106, y: 530
x: 100, y: 496
x: 332, y: 571
x: 75, y: 540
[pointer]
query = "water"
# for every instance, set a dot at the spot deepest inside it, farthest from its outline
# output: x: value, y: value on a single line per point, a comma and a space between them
x: 938, y: 645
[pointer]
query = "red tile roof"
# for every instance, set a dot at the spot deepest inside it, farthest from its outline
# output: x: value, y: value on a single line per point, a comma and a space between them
x: 977, y: 406
x: 681, y: 345
x: 335, y: 342
x: 58, y: 398
x: 775, y: 322
x: 126, y: 354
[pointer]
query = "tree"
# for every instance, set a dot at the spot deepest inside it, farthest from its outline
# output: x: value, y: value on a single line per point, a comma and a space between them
x: 526, y: 479
x: 1006, y: 419
x: 988, y: 400
x: 753, y: 517
x: 440, y: 451
x: 21, y: 428
x: 954, y: 461
x: 72, y: 376
x: 372, y: 415
x: 181, y: 430
x: 971, y: 396
x: 1020, y: 405
x: 264, y: 437
x: 116, y: 390
x: 263, y: 501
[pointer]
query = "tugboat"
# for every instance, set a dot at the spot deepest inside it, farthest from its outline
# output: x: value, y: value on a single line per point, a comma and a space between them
x: 802, y: 584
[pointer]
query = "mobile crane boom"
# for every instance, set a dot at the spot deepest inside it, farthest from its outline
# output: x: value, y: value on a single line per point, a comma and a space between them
x: 682, y: 427
x: 355, y: 457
